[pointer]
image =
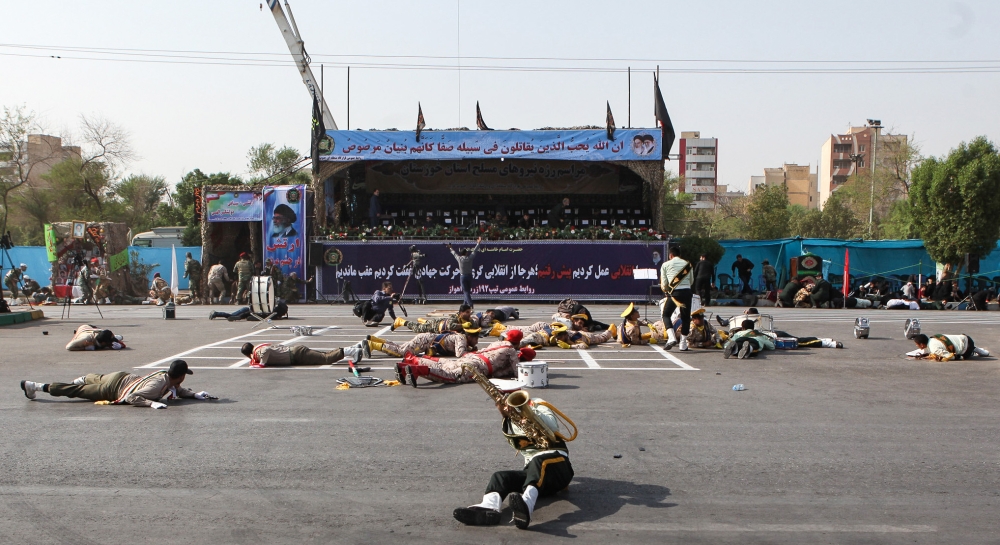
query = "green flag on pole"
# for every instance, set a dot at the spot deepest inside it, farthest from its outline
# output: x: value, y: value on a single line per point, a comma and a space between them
x: 50, y: 243
x: 119, y: 260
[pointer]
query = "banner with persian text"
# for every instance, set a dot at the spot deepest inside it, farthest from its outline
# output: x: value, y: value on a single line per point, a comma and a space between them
x: 285, y: 227
x: 560, y: 145
x: 512, y: 177
x: 234, y: 206
x: 548, y: 270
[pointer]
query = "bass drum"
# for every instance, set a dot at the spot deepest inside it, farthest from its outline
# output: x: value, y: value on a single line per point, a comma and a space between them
x: 262, y: 295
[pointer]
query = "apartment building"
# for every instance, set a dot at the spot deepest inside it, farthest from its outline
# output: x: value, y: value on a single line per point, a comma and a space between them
x: 699, y: 161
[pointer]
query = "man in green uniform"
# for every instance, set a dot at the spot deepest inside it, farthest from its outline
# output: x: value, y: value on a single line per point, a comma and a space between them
x: 452, y: 322
x: 243, y: 270
x: 85, y: 279
x: 123, y: 388
x: 192, y: 271
x: 12, y: 279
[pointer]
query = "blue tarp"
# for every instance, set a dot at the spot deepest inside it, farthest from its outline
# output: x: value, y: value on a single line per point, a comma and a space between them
x: 36, y: 258
x: 868, y: 258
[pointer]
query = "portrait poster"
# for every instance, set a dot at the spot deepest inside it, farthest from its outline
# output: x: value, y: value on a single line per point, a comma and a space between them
x: 284, y: 228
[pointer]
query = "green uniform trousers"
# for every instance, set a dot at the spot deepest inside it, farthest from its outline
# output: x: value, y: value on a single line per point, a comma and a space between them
x: 307, y: 356
x: 94, y: 387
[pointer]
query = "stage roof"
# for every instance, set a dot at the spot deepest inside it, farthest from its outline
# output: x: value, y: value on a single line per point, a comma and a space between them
x: 553, y: 145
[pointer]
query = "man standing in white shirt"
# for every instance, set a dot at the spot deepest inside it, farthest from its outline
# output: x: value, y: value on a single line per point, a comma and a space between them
x: 675, y: 281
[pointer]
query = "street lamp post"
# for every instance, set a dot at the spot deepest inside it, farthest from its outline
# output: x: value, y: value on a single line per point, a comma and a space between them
x: 877, y: 125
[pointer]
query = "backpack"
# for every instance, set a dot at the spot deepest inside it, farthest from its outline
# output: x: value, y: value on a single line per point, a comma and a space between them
x: 359, y: 308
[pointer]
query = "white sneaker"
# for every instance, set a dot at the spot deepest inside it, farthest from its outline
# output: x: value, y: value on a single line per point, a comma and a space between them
x: 981, y: 351
x: 683, y: 344
x: 30, y: 388
x: 353, y: 353
x: 80, y: 381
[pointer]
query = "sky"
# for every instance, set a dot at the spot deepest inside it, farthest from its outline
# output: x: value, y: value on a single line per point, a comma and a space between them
x: 770, y: 79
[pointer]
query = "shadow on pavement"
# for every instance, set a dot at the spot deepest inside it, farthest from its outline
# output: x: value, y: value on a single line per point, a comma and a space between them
x: 596, y: 499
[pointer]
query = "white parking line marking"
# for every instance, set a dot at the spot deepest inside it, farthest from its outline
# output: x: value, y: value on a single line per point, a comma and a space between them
x: 672, y: 358
x: 588, y: 359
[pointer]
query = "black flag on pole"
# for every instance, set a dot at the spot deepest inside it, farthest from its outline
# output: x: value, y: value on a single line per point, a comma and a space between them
x: 611, y: 124
x: 420, y: 120
x: 318, y: 132
x: 663, y: 118
x: 479, y: 119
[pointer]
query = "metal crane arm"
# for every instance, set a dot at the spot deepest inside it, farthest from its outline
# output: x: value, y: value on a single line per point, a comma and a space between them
x: 297, y: 47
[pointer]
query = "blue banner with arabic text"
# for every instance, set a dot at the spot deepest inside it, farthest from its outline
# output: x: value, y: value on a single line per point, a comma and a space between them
x: 560, y: 145
x: 539, y: 270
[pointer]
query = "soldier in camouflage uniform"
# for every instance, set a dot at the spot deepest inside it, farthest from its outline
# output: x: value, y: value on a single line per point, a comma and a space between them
x: 452, y: 322
x: 498, y: 360
x: 192, y: 271
x: 243, y: 271
x: 451, y: 343
x: 83, y: 280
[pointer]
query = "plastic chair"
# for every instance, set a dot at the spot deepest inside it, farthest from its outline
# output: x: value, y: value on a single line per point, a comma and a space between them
x: 726, y: 283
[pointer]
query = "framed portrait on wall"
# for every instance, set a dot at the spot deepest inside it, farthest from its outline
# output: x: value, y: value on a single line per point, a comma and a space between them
x: 79, y: 229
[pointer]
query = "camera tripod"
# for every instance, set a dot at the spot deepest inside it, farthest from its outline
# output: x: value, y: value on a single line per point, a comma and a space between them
x: 84, y: 283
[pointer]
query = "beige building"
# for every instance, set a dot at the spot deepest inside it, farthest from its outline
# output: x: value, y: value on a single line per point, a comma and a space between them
x: 699, y: 161
x: 800, y: 180
x: 44, y: 152
x: 843, y: 155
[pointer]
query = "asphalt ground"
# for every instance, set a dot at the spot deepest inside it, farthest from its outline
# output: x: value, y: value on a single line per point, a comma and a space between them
x: 857, y: 445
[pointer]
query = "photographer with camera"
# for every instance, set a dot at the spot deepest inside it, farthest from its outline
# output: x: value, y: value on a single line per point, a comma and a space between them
x: 380, y: 303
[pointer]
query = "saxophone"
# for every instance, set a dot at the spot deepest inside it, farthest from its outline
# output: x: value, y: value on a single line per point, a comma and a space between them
x: 515, y: 407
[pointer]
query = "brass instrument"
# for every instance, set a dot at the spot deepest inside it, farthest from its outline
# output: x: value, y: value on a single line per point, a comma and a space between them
x: 517, y: 406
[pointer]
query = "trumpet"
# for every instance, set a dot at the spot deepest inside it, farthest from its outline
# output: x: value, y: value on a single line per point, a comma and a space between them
x: 519, y: 408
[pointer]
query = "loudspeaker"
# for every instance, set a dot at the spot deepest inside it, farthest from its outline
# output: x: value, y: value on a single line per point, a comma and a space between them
x: 315, y: 254
x: 973, y: 267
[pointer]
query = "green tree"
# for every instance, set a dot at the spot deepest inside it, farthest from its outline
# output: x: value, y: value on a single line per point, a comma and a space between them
x: 955, y: 201
x: 15, y: 170
x: 693, y: 246
x: 179, y: 208
x: 767, y: 213
x: 139, y: 197
x: 899, y: 223
x: 676, y: 212
x: 273, y: 166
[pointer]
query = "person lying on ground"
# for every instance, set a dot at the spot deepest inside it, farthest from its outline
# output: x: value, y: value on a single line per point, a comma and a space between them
x: 449, y: 343
x: 90, y: 337
x: 801, y: 342
x: 498, y: 361
x: 735, y: 322
x: 566, y: 338
x: 280, y: 311
x: 747, y: 342
x: 279, y: 355
x: 946, y: 347
x: 451, y: 322
x: 123, y: 388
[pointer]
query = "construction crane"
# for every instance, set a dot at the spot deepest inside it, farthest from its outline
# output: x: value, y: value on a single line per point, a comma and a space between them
x: 290, y: 31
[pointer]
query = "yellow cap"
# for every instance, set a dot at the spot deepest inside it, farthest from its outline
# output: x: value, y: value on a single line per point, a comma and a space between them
x: 699, y: 312
x: 579, y: 316
x: 471, y: 329
x: 628, y: 310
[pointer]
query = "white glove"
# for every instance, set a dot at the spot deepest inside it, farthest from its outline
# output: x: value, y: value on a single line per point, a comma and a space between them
x: 157, y: 405
x: 203, y: 395
x: 116, y: 345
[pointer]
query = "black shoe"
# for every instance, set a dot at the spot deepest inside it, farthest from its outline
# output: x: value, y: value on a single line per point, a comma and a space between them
x: 411, y: 377
x: 722, y: 322
x: 400, y: 373
x: 477, y: 516
x: 363, y: 369
x: 727, y: 352
x: 522, y: 517
x: 231, y: 319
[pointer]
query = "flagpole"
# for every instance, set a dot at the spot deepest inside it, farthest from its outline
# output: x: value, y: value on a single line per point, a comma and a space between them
x: 348, y: 98
x: 630, y: 97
